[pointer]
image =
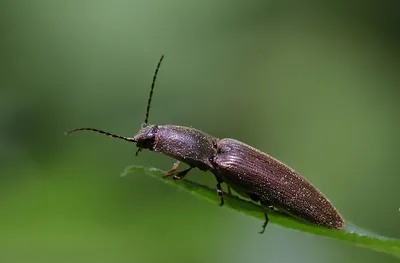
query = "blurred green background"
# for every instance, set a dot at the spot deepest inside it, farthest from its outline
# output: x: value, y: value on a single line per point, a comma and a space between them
x: 316, y: 85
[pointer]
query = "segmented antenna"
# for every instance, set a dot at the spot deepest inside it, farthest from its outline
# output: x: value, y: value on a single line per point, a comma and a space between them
x: 103, y: 132
x: 151, y: 92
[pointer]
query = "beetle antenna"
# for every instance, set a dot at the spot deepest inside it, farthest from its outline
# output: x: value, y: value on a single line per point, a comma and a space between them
x: 151, y: 92
x: 103, y: 132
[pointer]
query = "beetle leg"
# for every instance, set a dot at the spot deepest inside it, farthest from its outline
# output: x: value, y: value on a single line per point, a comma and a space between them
x: 229, y: 189
x: 173, y: 169
x: 265, y: 223
x: 220, y: 193
x: 266, y: 206
x: 256, y: 198
x: 138, y: 151
x: 181, y: 174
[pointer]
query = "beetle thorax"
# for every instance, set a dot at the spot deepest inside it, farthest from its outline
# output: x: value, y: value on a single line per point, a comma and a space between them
x: 185, y: 144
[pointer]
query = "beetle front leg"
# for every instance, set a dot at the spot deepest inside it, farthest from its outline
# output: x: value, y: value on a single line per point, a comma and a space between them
x: 173, y: 169
x: 181, y: 174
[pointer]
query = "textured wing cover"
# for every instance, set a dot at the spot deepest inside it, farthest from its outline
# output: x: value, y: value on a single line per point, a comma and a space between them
x: 255, y: 173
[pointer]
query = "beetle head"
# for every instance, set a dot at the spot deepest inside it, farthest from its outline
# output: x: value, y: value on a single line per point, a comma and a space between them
x: 146, y: 137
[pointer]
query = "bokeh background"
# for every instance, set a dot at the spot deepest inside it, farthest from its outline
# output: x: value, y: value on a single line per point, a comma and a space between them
x: 316, y: 85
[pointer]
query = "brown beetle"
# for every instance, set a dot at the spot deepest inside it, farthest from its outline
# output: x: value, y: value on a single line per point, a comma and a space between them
x: 248, y: 171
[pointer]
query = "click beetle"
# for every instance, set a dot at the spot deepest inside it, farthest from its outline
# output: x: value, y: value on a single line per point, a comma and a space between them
x: 250, y: 172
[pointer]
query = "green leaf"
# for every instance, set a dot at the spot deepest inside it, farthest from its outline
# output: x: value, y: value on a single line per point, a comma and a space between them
x: 351, y: 234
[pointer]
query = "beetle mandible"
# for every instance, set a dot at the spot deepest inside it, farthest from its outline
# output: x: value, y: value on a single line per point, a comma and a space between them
x: 250, y: 172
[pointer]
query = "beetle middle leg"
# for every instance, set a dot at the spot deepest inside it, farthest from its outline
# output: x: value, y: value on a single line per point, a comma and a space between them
x: 220, y: 193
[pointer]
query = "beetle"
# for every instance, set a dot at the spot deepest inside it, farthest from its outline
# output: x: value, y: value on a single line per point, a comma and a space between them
x: 250, y: 172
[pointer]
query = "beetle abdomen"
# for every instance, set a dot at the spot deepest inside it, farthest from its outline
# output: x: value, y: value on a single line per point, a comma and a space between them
x: 255, y: 173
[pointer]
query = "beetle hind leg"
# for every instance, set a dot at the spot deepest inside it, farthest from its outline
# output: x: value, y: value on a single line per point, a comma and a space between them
x: 266, y: 205
x: 264, y: 224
